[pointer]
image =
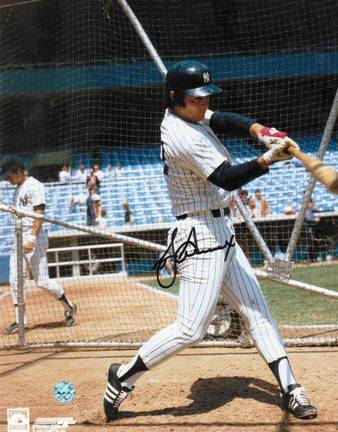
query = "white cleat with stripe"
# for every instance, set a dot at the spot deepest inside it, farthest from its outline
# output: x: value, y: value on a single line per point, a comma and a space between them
x: 297, y: 403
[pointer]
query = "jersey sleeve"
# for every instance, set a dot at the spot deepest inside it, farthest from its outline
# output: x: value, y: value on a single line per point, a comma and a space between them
x: 38, y: 194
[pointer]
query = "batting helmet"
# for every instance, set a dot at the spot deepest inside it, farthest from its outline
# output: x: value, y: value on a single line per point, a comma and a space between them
x: 190, y: 77
x: 8, y: 165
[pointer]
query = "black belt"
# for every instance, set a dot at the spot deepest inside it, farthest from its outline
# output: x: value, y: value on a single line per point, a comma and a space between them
x: 215, y: 213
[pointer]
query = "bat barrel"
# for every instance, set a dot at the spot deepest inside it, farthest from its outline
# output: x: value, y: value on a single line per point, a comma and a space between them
x: 322, y: 172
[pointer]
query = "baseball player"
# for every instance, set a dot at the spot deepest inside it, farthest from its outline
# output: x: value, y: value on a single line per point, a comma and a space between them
x: 30, y: 196
x: 200, y: 175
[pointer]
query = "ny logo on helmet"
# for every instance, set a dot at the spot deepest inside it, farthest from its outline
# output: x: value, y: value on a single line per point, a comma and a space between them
x: 206, y: 77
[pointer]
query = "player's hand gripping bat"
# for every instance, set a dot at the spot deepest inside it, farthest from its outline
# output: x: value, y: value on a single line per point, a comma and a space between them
x: 322, y: 172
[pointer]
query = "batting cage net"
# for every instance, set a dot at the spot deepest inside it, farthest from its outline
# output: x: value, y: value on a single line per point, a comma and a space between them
x: 81, y: 102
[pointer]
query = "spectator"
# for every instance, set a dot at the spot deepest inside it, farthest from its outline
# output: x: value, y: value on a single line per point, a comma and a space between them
x: 64, y: 174
x: 110, y: 171
x: 118, y: 170
x: 252, y: 207
x: 81, y: 174
x: 259, y: 205
x: 98, y: 173
x: 93, y: 204
x: 95, y: 176
x: 244, y: 196
x: 101, y: 221
x: 309, y: 214
x: 91, y: 178
x: 128, y: 216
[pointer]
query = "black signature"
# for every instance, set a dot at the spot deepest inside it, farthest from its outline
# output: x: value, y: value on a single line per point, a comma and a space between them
x: 182, y: 253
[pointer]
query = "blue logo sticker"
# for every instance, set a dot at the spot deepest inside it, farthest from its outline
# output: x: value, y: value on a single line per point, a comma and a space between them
x: 64, y: 392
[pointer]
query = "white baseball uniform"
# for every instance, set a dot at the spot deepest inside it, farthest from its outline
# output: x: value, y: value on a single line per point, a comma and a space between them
x: 202, y: 245
x: 191, y: 152
x: 29, y: 194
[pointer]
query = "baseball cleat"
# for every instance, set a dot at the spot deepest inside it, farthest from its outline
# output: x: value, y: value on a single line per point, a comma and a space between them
x: 114, y: 394
x: 297, y: 403
x: 70, y: 316
x: 13, y: 328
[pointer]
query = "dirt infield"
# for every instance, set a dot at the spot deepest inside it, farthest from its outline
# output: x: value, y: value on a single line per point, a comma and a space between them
x: 197, y: 390
x: 119, y: 310
x: 200, y: 389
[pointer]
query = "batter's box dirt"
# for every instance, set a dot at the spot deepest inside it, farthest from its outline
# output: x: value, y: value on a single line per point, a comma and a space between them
x: 199, y: 390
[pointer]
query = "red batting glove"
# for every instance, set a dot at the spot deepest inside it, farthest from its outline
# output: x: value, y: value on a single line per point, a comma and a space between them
x: 271, y: 136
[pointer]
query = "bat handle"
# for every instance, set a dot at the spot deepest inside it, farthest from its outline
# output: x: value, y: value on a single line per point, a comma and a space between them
x: 293, y: 151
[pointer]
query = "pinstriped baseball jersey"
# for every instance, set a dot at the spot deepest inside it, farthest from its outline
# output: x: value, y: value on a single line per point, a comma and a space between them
x: 191, y: 152
x: 29, y: 194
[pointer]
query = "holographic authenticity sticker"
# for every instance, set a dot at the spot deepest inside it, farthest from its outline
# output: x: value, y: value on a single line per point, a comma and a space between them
x: 64, y: 392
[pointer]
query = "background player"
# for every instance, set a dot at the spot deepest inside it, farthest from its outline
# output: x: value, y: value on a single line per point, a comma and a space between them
x: 30, y: 196
x: 199, y: 175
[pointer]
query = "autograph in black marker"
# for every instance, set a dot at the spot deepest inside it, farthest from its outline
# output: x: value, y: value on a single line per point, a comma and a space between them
x: 179, y: 255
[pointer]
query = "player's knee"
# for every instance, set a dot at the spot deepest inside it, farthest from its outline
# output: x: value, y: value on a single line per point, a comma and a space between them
x: 49, y: 285
x: 191, y: 335
x: 45, y: 285
x: 253, y: 318
x: 197, y: 337
x: 262, y: 325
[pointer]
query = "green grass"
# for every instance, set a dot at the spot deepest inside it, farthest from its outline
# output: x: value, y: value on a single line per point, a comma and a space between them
x: 296, y: 306
x: 290, y: 305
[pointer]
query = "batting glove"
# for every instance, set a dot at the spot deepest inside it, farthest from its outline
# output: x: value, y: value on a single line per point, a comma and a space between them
x: 291, y: 143
x: 271, y: 136
x: 277, y: 152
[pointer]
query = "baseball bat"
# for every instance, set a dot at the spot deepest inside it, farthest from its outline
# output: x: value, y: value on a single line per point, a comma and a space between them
x: 322, y: 172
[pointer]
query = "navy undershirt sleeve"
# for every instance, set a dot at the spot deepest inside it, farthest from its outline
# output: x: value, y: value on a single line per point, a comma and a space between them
x: 232, y: 123
x: 231, y: 177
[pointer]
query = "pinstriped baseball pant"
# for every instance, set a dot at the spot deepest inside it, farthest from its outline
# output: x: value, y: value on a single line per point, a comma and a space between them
x: 37, y: 262
x: 202, y: 278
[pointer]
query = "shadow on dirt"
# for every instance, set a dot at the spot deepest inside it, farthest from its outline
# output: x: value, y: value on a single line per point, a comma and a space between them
x: 207, y: 394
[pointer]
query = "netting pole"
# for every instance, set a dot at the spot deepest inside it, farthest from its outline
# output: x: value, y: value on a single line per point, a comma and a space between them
x: 19, y: 281
x: 143, y: 36
x: 308, y: 192
x: 162, y: 69
x: 254, y: 230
